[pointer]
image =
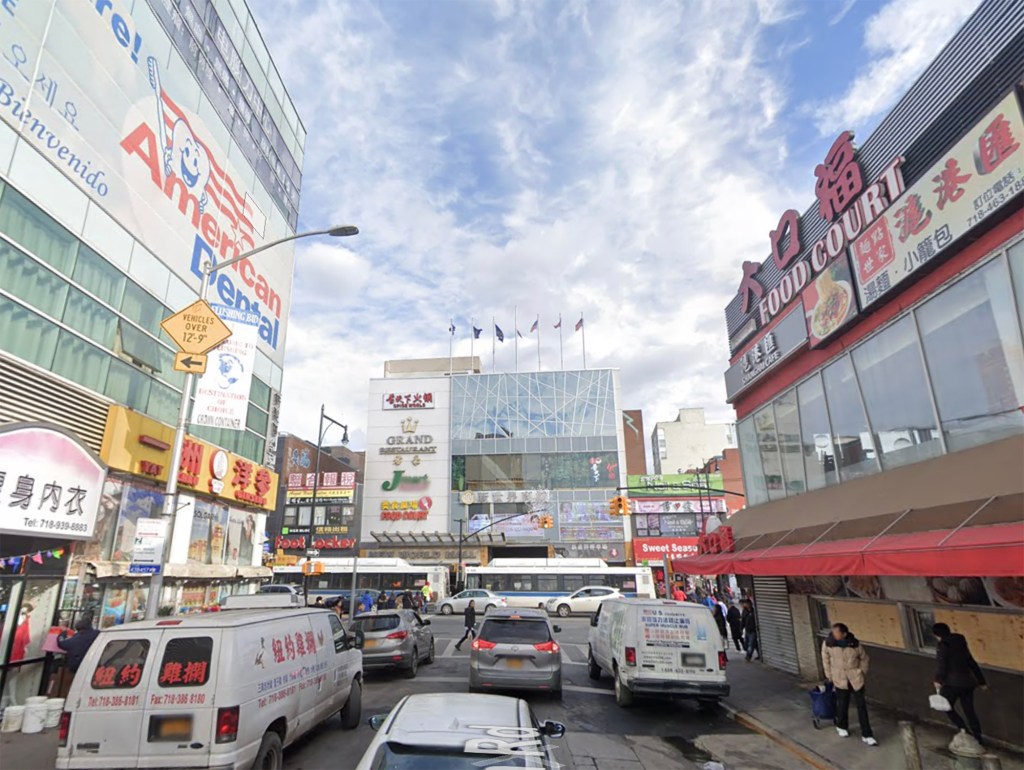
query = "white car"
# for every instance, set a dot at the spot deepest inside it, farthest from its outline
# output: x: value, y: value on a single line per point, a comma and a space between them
x: 227, y: 689
x: 485, y: 600
x: 459, y: 731
x: 585, y: 600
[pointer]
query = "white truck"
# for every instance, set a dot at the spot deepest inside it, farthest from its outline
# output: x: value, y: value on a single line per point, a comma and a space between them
x: 221, y: 690
x: 658, y: 647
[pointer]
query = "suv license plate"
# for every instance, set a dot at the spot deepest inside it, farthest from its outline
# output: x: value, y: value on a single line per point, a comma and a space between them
x: 693, y: 660
x: 515, y: 662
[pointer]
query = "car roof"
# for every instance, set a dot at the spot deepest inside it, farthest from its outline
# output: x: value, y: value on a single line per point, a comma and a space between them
x: 450, y: 719
x: 610, y: 588
x: 222, y: 619
x: 518, y: 612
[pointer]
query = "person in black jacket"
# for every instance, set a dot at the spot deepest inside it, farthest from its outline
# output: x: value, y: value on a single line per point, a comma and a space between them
x: 733, y: 617
x: 720, y: 622
x: 749, y: 623
x: 76, y: 646
x: 957, y: 675
x: 470, y: 623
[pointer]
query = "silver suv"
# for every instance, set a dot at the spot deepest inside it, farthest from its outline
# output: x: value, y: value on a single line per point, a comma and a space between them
x: 516, y: 650
x: 394, y: 639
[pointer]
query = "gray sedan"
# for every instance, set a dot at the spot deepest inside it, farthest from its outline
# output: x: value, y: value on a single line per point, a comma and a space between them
x: 395, y: 639
x: 485, y: 600
x: 516, y: 650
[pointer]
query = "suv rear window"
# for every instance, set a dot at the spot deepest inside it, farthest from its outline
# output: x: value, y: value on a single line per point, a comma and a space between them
x: 186, y: 662
x: 376, y: 623
x: 515, y: 631
x: 120, y: 665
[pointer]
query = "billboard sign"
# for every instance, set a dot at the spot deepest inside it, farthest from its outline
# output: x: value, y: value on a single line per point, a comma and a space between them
x: 222, y: 393
x: 96, y: 89
x: 829, y: 301
x: 663, y: 548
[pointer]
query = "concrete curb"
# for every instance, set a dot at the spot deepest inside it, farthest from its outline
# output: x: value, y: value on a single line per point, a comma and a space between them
x: 804, y: 753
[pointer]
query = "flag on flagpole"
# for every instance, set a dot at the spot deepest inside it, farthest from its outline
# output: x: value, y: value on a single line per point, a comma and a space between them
x: 477, y: 332
x: 535, y: 324
x: 519, y: 334
x: 579, y: 324
x: 559, y: 324
x: 499, y: 333
x: 451, y: 328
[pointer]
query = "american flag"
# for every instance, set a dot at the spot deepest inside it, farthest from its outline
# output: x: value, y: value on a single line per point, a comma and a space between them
x: 579, y: 324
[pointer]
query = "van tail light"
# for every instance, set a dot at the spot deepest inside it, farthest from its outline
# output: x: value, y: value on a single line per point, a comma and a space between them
x: 723, y: 659
x: 551, y: 646
x: 64, y: 728
x: 483, y: 644
x: 227, y: 724
x: 631, y: 656
x: 397, y: 635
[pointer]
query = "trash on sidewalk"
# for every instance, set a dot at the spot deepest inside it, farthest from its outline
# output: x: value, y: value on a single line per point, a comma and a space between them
x: 965, y: 745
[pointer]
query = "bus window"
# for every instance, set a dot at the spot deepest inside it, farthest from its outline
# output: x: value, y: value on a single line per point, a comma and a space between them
x: 521, y: 582
x: 628, y: 583
x: 472, y: 581
x: 571, y: 583
x: 546, y: 583
x: 599, y: 580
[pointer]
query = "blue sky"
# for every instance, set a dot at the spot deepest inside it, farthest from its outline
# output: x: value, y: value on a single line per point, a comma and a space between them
x: 612, y: 158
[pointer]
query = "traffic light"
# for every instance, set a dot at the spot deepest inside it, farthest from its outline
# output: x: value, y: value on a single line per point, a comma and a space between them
x: 619, y: 506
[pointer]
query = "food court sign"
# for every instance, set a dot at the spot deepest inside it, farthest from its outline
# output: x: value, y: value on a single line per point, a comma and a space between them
x: 50, y: 484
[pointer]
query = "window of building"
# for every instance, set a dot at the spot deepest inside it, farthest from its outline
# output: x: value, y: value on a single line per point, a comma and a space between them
x: 819, y: 616
x: 787, y: 424
x: 163, y: 403
x: 36, y: 231
x: 98, y: 276
x: 256, y: 420
x: 896, y: 393
x: 290, y: 516
x: 81, y: 362
x: 1016, y: 257
x: 971, y: 339
x: 89, y: 318
x: 753, y: 473
x: 26, y: 334
x: 815, y: 435
x: 851, y: 437
x: 260, y: 394
x: 921, y: 622
x: 30, y: 282
x: 128, y: 385
x: 143, y: 309
x: 767, y: 442
x: 305, y: 515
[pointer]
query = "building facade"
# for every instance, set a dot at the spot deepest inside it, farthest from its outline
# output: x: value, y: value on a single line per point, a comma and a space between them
x: 138, y: 140
x: 636, y: 442
x: 688, y: 441
x: 490, y: 456
x: 878, y: 375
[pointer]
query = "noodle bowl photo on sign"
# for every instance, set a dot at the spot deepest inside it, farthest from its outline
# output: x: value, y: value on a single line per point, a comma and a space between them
x: 829, y: 301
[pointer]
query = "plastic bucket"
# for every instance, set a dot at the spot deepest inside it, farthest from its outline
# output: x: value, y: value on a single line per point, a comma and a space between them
x: 13, y: 717
x: 54, y: 707
x: 36, y: 700
x: 35, y: 717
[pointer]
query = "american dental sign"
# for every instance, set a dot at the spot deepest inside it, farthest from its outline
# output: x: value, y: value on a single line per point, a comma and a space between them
x: 101, y: 94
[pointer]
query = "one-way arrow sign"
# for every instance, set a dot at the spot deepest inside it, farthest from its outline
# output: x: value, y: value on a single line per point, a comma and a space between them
x: 189, y: 362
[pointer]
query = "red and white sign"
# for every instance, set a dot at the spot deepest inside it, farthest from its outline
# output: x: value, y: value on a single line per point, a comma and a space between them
x: 408, y: 401
x: 663, y: 548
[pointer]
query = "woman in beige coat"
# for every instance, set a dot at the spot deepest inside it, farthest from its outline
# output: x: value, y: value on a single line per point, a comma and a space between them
x: 846, y: 666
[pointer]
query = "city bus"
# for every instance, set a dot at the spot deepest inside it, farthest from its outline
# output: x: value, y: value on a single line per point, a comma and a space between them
x: 531, y: 582
x: 375, y: 574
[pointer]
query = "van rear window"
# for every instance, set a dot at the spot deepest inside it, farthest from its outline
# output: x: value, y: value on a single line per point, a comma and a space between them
x: 121, y: 664
x: 186, y: 662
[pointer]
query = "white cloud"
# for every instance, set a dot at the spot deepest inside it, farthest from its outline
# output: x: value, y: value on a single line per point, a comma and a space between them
x: 900, y: 40
x: 847, y: 7
x: 622, y: 160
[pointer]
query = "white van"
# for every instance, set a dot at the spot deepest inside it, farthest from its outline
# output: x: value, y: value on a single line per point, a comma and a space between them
x: 658, y: 647
x: 221, y: 690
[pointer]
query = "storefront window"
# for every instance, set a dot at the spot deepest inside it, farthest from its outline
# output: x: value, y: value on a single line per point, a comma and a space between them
x: 199, y: 537
x: 218, y: 532
x: 854, y: 446
x: 137, y: 502
x: 1016, y: 257
x: 896, y: 394
x: 971, y: 339
x: 787, y: 423
x: 753, y: 474
x: 767, y: 441
x: 815, y: 435
x: 10, y: 590
x: 106, y: 522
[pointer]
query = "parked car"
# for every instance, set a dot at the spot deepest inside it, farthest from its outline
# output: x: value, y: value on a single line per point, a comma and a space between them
x: 658, y: 647
x: 280, y: 588
x: 585, y: 600
x: 395, y: 639
x: 226, y: 689
x: 456, y: 731
x: 516, y: 650
x: 485, y: 601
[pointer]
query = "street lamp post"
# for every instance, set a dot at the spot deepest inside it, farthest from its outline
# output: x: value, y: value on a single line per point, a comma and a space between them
x: 170, y: 506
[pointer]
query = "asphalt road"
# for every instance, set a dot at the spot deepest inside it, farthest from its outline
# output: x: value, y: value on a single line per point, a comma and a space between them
x: 586, y: 707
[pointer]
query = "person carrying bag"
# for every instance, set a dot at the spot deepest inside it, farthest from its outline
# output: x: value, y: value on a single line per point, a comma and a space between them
x: 846, y: 666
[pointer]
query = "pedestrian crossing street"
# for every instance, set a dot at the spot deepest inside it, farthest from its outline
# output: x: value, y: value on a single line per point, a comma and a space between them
x: 444, y: 646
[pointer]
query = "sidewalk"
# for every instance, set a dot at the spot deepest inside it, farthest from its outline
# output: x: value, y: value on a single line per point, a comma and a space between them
x: 776, y: 704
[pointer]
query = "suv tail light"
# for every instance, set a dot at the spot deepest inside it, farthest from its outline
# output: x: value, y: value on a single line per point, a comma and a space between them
x: 723, y: 660
x: 483, y: 644
x: 64, y: 728
x: 227, y: 724
x: 397, y: 635
x: 631, y: 656
x: 551, y: 646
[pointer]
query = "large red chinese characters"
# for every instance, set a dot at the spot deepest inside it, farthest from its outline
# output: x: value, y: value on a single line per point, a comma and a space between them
x: 839, y: 178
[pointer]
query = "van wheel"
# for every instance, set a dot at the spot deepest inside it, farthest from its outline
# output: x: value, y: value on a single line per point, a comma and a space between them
x: 430, y: 654
x: 446, y: 609
x: 593, y: 670
x: 414, y: 665
x: 563, y: 610
x: 271, y: 754
x: 623, y: 695
x: 707, y: 705
x: 353, y: 709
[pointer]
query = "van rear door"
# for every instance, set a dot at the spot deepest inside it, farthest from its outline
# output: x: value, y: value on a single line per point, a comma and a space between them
x: 107, y: 712
x: 180, y: 713
x: 677, y: 642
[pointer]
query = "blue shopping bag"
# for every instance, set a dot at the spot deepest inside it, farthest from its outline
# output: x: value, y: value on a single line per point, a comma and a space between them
x: 823, y: 703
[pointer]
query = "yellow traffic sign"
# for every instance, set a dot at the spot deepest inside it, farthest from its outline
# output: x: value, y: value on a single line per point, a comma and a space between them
x: 196, y: 329
x: 189, y: 362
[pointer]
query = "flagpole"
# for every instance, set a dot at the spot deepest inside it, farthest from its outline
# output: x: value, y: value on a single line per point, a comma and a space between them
x: 515, y: 323
x: 538, y: 341
x: 494, y: 344
x: 583, y: 328
x: 561, y: 349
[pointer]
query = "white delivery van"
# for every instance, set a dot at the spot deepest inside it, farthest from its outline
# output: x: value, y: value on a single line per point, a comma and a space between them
x: 658, y: 647
x: 222, y: 690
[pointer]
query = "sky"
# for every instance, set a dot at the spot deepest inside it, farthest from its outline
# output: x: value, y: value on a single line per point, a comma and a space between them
x: 615, y: 159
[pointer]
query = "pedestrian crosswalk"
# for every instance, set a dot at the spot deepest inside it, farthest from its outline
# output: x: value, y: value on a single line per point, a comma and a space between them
x: 572, y: 654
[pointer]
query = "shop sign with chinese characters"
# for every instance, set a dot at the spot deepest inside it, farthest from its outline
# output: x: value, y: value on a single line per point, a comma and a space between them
x: 334, y: 485
x: 774, y: 346
x: 408, y: 401
x: 139, y: 445
x: 980, y: 174
x: 409, y: 510
x: 50, y: 484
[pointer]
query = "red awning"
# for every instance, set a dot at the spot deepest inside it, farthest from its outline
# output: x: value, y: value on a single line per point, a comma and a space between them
x: 992, y: 551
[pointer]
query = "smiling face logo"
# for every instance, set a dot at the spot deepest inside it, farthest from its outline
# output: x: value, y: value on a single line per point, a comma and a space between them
x: 189, y: 161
